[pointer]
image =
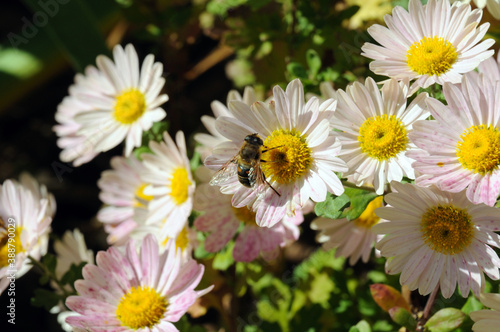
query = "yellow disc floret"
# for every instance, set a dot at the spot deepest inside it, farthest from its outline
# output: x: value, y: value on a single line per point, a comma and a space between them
x: 141, y: 197
x: 368, y: 218
x: 479, y: 149
x: 288, y: 158
x: 10, y: 245
x: 130, y: 106
x: 245, y: 215
x: 431, y: 56
x: 180, y: 185
x: 447, y: 229
x: 141, y: 307
x: 382, y: 137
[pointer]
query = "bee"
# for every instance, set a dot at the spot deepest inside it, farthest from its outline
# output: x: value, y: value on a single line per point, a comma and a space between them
x: 247, y: 162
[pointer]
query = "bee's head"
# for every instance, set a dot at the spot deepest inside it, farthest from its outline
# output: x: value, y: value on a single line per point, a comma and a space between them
x: 254, y: 139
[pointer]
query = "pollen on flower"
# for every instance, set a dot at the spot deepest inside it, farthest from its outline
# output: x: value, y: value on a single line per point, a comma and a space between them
x: 383, y: 137
x: 447, y: 229
x: 245, y: 215
x: 440, y: 164
x: 130, y: 106
x: 182, y: 240
x: 479, y: 149
x: 4, y: 245
x: 141, y: 197
x: 368, y: 218
x: 180, y: 185
x: 288, y: 158
x: 431, y: 56
x: 141, y: 307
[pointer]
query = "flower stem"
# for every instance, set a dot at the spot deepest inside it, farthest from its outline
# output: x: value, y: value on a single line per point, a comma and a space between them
x: 52, y: 276
x: 430, y: 302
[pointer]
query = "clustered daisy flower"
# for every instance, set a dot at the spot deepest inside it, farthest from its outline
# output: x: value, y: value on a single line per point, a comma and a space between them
x: 353, y: 239
x: 438, y: 238
x: 222, y: 222
x: 113, y: 102
x: 432, y: 43
x: 171, y: 185
x: 461, y: 147
x: 24, y: 230
x: 487, y: 320
x: 373, y: 127
x: 301, y: 155
x: 122, y: 190
x: 132, y: 291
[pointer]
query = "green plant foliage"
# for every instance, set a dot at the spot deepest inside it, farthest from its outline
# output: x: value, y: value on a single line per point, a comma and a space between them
x: 45, y: 299
x: 445, y: 320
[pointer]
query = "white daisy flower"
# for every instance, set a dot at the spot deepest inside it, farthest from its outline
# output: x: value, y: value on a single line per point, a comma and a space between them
x: 209, y: 141
x: 171, y: 184
x: 122, y: 190
x: 487, y: 320
x: 39, y: 192
x: 432, y: 43
x: 135, y: 291
x: 113, y: 103
x: 438, y: 238
x: 301, y: 158
x: 460, y: 149
x: 24, y: 230
x: 354, y: 239
x: 71, y: 249
x: 490, y: 68
x: 374, y: 127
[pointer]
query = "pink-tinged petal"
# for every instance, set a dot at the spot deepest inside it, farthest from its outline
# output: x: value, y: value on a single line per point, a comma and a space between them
x: 247, y: 245
x: 221, y: 236
x: 178, y: 305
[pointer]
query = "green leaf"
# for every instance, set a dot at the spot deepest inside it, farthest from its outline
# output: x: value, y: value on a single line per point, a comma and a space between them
x: 471, y: 305
x: 224, y: 259
x: 321, y: 289
x: 50, y: 262
x: 296, y: 70
x: 319, y: 260
x: 445, y: 320
x: 45, y: 299
x: 332, y: 206
x: 362, y: 326
x: 314, y: 62
x: 72, y: 27
x: 359, y: 200
x: 403, y: 317
x: 73, y: 274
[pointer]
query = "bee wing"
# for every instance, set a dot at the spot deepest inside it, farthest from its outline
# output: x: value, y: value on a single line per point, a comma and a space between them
x: 228, y: 170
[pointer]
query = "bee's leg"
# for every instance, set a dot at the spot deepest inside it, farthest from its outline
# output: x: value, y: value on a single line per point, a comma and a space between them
x: 274, y: 161
x: 265, y: 180
x: 276, y: 147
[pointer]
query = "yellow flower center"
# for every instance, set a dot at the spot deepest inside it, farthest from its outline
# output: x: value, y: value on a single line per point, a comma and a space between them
x: 479, y: 150
x: 130, y: 106
x: 10, y: 244
x: 141, y: 307
x: 382, y: 137
x: 431, y: 56
x: 245, y: 215
x: 290, y: 157
x: 368, y: 218
x: 447, y: 229
x: 141, y: 198
x: 182, y: 240
x: 180, y: 185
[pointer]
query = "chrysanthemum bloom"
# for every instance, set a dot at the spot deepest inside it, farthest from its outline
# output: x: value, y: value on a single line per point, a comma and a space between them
x: 209, y: 141
x: 487, y: 320
x: 461, y: 148
x: 301, y: 158
x: 222, y: 221
x: 39, y: 192
x: 71, y: 249
x: 122, y: 189
x: 171, y: 184
x: 135, y: 292
x: 490, y: 68
x: 24, y: 230
x: 117, y: 102
x: 438, y: 238
x: 353, y: 239
x: 374, y: 127
x: 433, y: 43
